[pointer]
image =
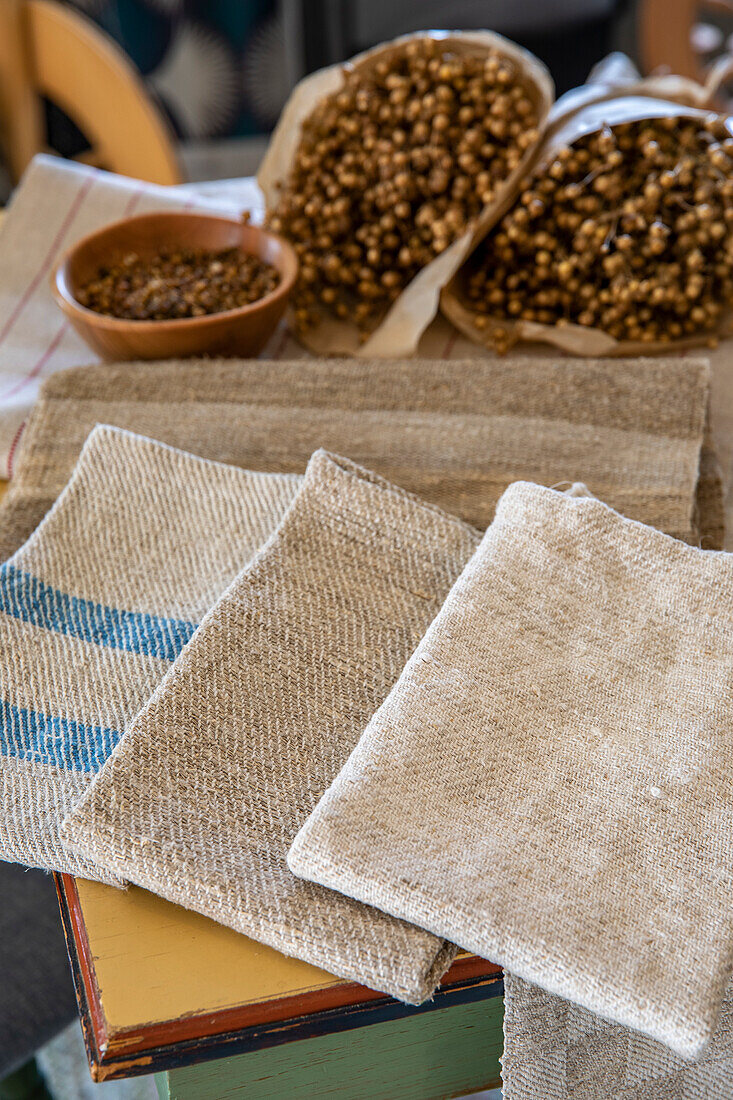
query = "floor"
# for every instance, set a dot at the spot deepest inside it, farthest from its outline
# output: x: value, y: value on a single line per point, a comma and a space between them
x: 64, y: 1066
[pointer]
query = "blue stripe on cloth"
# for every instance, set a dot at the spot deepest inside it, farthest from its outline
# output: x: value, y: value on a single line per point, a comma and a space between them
x: 27, y: 598
x: 48, y: 739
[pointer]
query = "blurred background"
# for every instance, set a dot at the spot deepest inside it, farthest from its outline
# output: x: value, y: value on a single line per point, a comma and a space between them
x: 217, y: 72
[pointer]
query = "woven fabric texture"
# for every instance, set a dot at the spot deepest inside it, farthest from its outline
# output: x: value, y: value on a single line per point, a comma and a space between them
x: 202, y: 798
x: 554, y: 1050
x: 96, y: 606
x: 456, y: 433
x: 570, y: 708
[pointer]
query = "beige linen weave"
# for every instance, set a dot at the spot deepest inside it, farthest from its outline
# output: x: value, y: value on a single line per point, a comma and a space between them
x: 554, y: 1050
x: 96, y: 606
x: 218, y: 772
x: 549, y: 784
x: 456, y: 433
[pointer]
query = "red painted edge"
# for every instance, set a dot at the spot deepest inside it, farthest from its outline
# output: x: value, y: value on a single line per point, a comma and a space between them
x: 69, y: 900
x: 13, y: 448
x: 226, y: 1021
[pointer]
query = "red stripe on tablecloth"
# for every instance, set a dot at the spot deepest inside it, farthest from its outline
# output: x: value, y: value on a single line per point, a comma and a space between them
x: 46, y: 355
x: 36, y: 370
x: 134, y: 200
x: 14, y: 447
x: 50, y: 256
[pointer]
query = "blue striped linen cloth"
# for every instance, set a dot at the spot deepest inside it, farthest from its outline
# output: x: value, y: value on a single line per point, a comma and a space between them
x: 96, y: 606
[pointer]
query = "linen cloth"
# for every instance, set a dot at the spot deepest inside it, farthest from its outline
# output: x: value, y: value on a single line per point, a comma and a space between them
x: 213, y: 779
x: 456, y: 434
x: 96, y: 606
x: 549, y: 783
x: 56, y: 204
x: 557, y: 1051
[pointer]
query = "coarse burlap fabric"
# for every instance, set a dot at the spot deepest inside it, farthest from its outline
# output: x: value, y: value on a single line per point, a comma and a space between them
x: 456, y: 433
x: 554, y: 1050
x: 549, y: 784
x: 214, y: 778
x: 96, y: 606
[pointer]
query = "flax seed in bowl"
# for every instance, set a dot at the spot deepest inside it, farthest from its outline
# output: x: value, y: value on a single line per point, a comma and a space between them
x: 164, y: 285
x: 178, y: 282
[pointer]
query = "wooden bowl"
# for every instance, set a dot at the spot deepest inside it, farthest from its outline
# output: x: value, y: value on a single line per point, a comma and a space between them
x: 243, y: 331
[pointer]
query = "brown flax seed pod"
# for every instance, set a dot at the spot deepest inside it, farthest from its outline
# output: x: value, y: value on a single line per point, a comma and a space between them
x: 396, y: 164
x: 620, y: 237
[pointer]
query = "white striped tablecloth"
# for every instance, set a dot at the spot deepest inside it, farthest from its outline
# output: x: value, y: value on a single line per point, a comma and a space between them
x: 57, y: 203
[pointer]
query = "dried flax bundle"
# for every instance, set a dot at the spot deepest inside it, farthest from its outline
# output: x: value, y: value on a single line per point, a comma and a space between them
x: 621, y: 240
x: 395, y: 161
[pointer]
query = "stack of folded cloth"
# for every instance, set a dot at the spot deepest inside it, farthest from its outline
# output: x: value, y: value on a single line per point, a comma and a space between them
x: 325, y: 711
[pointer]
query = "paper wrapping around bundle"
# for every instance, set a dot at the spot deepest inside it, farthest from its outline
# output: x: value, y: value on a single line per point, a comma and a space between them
x: 611, y: 97
x: 549, y: 782
x: 400, y: 330
x: 94, y: 609
x: 216, y: 775
x: 457, y: 433
x: 557, y: 1051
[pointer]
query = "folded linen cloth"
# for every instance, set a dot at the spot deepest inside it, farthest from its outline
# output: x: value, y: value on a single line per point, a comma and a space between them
x: 549, y: 784
x: 96, y: 606
x: 213, y: 779
x: 457, y: 433
x: 557, y: 1051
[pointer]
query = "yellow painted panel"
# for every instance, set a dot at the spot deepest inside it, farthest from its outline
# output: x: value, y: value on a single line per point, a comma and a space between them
x: 155, y: 961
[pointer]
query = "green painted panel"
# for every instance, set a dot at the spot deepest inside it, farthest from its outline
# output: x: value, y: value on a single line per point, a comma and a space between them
x: 428, y: 1056
x: 25, y: 1084
x: 161, y: 1085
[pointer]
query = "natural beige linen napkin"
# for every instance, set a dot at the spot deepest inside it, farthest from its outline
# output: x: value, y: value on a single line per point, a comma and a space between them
x: 549, y: 784
x: 554, y: 1050
x: 457, y: 433
x: 96, y: 606
x: 215, y: 776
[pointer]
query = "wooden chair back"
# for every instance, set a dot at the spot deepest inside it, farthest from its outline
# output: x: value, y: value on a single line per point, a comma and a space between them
x: 49, y: 50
